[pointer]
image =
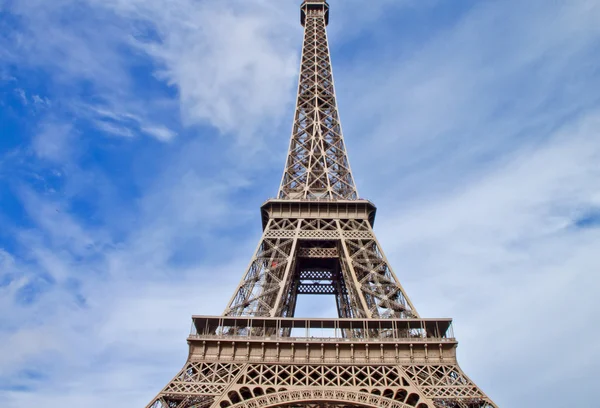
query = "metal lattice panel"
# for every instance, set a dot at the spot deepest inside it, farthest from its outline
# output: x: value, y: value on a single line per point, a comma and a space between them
x: 317, y: 253
x: 272, y: 282
x: 167, y: 401
x: 259, y: 385
x: 384, y: 297
x: 444, y: 381
x: 323, y: 376
x: 317, y: 165
x: 264, y: 281
x: 197, y: 383
x: 463, y: 403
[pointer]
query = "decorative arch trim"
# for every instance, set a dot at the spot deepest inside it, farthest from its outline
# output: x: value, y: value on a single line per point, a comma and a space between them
x: 361, y: 399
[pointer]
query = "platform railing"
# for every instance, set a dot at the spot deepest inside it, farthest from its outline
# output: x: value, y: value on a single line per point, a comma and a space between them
x: 315, y: 329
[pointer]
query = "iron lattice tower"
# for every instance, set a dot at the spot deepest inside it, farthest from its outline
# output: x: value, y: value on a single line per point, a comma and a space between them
x: 318, y: 239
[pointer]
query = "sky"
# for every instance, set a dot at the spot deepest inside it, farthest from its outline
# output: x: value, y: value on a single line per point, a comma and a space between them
x: 138, y: 139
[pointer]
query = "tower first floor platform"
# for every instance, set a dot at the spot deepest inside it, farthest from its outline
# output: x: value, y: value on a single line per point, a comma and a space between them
x: 268, y: 362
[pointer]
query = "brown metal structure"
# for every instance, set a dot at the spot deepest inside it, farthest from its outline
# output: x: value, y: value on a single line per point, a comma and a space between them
x: 318, y: 239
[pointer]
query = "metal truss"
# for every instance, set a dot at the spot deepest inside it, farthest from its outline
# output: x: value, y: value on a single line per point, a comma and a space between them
x: 320, y: 256
x: 201, y: 385
x: 318, y: 239
x: 447, y: 383
x: 317, y: 164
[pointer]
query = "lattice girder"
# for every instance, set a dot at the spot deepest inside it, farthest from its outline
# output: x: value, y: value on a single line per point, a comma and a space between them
x: 317, y: 165
x: 369, y: 287
x: 254, y: 384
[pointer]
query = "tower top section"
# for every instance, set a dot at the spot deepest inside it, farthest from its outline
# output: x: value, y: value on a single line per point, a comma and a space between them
x: 317, y: 166
x: 309, y: 7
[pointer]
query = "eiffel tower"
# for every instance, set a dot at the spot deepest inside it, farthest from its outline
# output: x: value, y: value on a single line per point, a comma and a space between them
x: 318, y: 239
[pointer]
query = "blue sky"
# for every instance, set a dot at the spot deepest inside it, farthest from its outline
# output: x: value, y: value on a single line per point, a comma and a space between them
x: 138, y: 139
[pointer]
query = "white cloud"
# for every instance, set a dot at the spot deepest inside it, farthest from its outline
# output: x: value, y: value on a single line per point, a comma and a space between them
x: 160, y: 132
x: 114, y: 128
x: 455, y: 138
x: 468, y: 93
x: 125, y: 124
x: 504, y: 256
x: 5, y: 76
x: 460, y: 140
x: 135, y: 299
x: 54, y: 141
x: 40, y: 101
x: 232, y: 69
x: 22, y: 96
x: 233, y: 65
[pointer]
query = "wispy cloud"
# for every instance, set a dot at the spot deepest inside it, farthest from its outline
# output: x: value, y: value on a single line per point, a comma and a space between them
x: 482, y: 138
x: 113, y: 129
x: 476, y: 136
x: 233, y: 71
x: 22, y: 96
x: 228, y: 68
x: 54, y: 141
x: 92, y: 290
x: 507, y: 249
x: 473, y: 90
x: 161, y: 133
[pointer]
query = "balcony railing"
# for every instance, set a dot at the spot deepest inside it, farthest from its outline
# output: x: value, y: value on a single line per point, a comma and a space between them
x: 322, y: 330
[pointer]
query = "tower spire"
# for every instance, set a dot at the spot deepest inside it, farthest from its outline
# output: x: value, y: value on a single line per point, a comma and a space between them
x: 317, y: 166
